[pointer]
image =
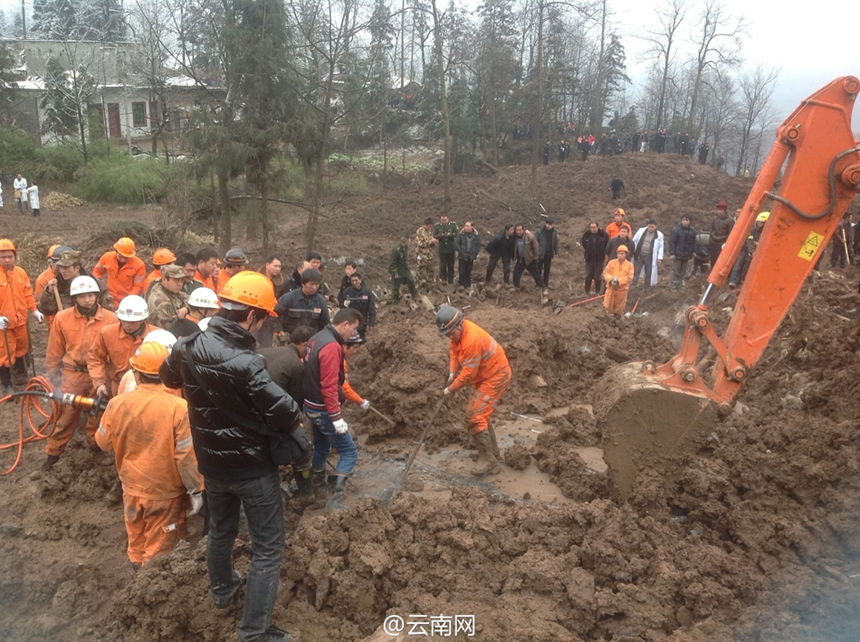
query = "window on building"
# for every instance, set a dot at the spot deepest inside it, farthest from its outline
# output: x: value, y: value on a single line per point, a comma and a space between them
x: 138, y: 114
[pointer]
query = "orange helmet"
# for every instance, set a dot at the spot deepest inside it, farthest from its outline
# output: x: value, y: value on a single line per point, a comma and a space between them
x: 149, y: 357
x: 51, y: 249
x: 623, y: 248
x: 124, y: 247
x: 619, y: 211
x: 162, y: 256
x: 250, y: 288
x: 6, y: 245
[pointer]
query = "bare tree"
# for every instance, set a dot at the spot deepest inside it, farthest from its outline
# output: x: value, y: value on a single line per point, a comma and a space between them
x: 662, y: 41
x: 756, y: 89
x: 717, y: 43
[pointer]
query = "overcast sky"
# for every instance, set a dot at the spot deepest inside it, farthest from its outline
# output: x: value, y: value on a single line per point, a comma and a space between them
x: 810, y: 44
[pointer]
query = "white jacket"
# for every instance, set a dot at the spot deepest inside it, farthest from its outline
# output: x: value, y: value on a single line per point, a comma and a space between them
x: 656, y: 251
x: 33, y: 194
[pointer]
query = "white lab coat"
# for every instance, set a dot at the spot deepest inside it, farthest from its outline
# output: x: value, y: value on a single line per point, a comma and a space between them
x: 33, y: 194
x: 656, y: 252
x: 21, y: 185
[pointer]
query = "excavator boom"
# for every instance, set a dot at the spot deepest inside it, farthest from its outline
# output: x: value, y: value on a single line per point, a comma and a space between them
x: 675, y: 404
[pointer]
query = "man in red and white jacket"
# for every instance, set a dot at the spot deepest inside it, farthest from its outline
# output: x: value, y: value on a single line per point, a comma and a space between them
x: 323, y: 393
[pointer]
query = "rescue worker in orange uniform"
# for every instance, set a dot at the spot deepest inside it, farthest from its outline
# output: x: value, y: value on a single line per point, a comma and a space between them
x: 235, y: 261
x: 351, y: 346
x: 16, y: 300
x: 116, y: 343
x: 128, y: 383
x: 162, y: 257
x: 617, y: 223
x: 618, y: 274
x: 477, y: 361
x: 75, y: 331
x: 124, y: 271
x: 207, y: 268
x: 149, y: 432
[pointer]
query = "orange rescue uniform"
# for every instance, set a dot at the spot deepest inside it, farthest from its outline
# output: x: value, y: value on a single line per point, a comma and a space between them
x: 122, y: 280
x: 108, y: 357
x: 613, y: 229
x: 148, y: 431
x: 616, y: 295
x: 348, y: 392
x: 207, y: 281
x: 223, y: 277
x: 16, y: 302
x: 482, y: 364
x: 68, y: 346
x: 147, y: 282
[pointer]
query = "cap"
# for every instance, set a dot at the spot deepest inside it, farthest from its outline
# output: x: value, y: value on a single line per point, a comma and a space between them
x: 172, y: 271
x: 722, y: 205
x: 69, y: 259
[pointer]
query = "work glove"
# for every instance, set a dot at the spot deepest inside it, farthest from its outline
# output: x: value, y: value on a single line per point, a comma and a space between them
x: 196, y: 503
x: 4, y: 323
x: 614, y: 281
x: 364, y: 405
x: 341, y: 427
x: 451, y: 377
x: 446, y: 392
x: 37, y: 315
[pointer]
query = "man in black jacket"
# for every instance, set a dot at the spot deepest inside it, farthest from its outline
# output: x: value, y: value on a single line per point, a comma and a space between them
x: 501, y: 246
x: 236, y: 412
x: 548, y: 248
x: 468, y: 244
x: 305, y: 306
x: 358, y: 297
x: 594, y: 243
x: 682, y: 246
x: 285, y: 366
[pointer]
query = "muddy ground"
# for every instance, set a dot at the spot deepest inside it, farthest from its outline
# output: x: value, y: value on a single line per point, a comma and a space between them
x: 757, y: 539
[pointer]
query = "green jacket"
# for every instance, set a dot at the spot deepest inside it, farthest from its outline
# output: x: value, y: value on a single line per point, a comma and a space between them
x: 398, y: 265
x: 445, y: 234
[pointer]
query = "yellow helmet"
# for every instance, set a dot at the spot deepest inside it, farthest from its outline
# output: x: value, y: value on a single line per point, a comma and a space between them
x: 762, y: 217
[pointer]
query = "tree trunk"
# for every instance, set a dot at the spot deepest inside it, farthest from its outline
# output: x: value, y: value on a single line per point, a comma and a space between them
x: 493, y: 133
x: 538, y: 101
x: 446, y: 179
x: 264, y: 210
x: 213, y: 203
x: 313, y: 215
x: 226, y: 215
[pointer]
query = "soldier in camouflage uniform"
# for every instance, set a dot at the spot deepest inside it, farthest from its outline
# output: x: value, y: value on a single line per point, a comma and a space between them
x: 398, y: 268
x: 167, y: 302
x: 424, y: 243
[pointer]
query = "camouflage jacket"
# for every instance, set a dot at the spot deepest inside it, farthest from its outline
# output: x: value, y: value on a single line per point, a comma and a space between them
x: 164, y: 305
x: 423, y: 240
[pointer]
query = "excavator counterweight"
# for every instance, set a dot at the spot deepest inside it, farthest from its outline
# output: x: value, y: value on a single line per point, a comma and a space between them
x: 671, y: 408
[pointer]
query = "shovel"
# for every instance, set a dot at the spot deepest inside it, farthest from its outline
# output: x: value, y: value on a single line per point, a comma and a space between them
x: 389, y: 496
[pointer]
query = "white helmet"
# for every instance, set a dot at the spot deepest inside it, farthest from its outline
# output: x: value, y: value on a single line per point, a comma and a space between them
x: 204, y: 298
x: 132, y: 308
x: 83, y: 285
x: 165, y: 338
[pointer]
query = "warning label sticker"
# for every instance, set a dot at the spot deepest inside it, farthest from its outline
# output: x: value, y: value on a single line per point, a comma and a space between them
x: 810, y: 247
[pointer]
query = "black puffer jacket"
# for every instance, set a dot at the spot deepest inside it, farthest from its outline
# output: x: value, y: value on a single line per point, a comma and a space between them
x: 594, y: 244
x: 682, y: 241
x: 237, y: 382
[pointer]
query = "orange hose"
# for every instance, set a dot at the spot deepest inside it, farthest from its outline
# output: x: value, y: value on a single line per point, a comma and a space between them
x: 27, y: 407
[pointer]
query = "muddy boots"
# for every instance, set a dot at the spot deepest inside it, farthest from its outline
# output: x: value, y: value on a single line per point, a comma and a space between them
x: 5, y: 380
x: 337, y: 490
x: 304, y: 497
x: 496, y: 451
x: 19, y: 374
x: 484, y: 442
x: 320, y: 488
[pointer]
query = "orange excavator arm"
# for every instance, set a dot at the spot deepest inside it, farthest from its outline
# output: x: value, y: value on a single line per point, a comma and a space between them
x: 821, y: 175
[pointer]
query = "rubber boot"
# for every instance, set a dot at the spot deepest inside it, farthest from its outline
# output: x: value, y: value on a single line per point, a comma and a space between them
x: 305, y: 495
x: 19, y: 373
x: 319, y: 482
x: 5, y: 380
x: 50, y: 460
x: 496, y: 451
x: 338, y: 489
x: 485, y: 451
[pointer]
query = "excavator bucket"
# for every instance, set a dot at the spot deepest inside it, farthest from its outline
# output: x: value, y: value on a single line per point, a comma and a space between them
x: 648, y: 427
x: 654, y: 417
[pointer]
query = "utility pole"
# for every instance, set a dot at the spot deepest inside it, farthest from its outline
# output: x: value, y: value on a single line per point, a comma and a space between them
x: 24, y: 19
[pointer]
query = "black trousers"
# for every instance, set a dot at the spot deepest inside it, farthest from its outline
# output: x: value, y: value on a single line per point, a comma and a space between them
x: 532, y: 268
x: 506, y: 267
x: 594, y: 272
x: 465, y: 273
x: 446, y: 268
x: 544, y: 265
